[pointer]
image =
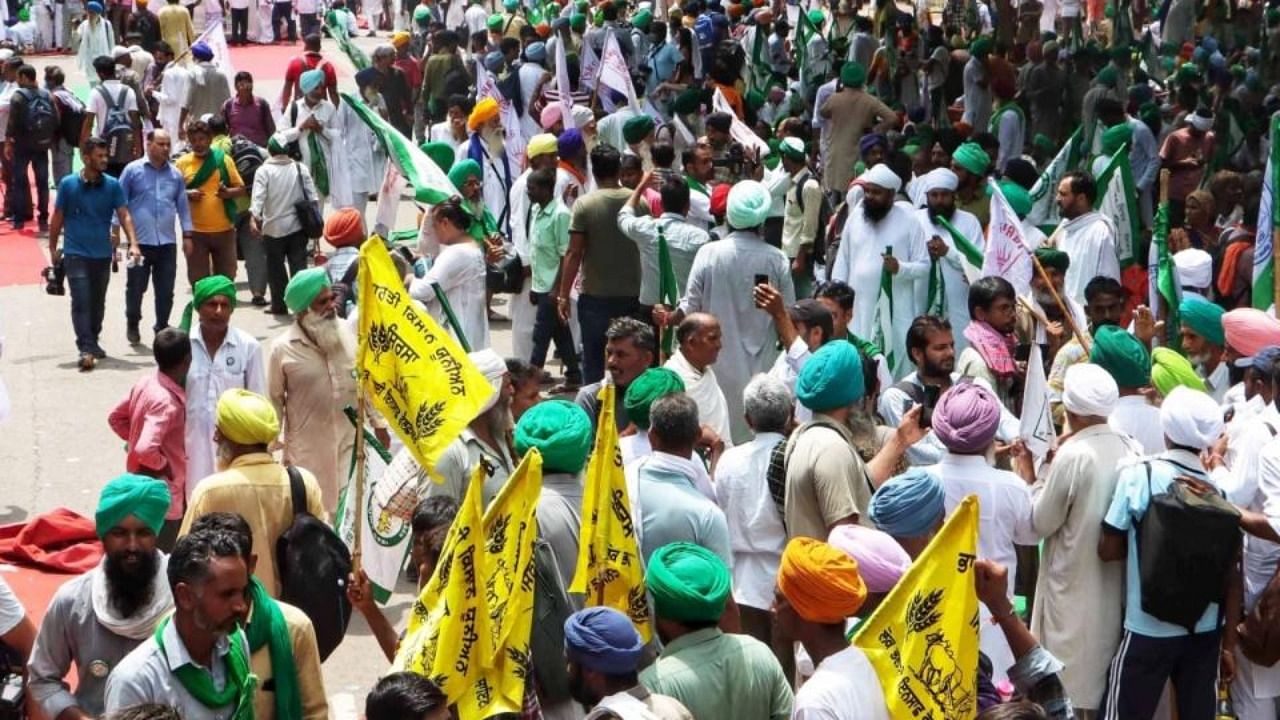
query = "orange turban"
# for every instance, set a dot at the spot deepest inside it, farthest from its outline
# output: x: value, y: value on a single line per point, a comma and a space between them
x: 820, y: 582
x: 344, y: 228
x: 483, y: 112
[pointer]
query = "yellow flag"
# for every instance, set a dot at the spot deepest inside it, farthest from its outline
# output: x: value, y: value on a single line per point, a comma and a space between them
x: 415, y: 373
x: 923, y: 639
x: 608, y: 570
x: 469, y: 629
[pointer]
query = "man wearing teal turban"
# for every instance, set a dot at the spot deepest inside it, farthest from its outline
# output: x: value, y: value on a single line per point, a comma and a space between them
x: 468, y: 177
x: 1129, y: 363
x: 970, y: 164
x: 1204, y: 341
x: 648, y: 387
x: 143, y: 498
x: 737, y: 675
x: 561, y: 431
x: 831, y: 381
x: 637, y: 129
x: 853, y: 75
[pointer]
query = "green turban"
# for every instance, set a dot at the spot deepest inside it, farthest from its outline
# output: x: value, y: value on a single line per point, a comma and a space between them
x: 637, y: 128
x: 972, y: 157
x: 792, y: 147
x: 577, y: 22
x: 145, y: 498
x: 560, y: 430
x: 645, y: 389
x: 440, y: 153
x: 1107, y: 76
x: 1053, y: 258
x: 1120, y: 354
x: 511, y: 5
x: 1169, y: 369
x: 24, y: 15
x: 459, y: 173
x: 204, y: 290
x: 1273, y: 16
x: 853, y: 75
x: 1018, y: 197
x: 642, y: 19
x: 1115, y: 137
x: 817, y: 17
x: 831, y: 378
x: 1119, y: 52
x: 421, y: 13
x: 1043, y: 142
x: 1149, y: 112
x: 304, y: 288
x: 688, y: 583
x: 980, y: 47
x: 754, y: 99
x: 494, y: 22
x: 687, y: 101
x: 1204, y: 318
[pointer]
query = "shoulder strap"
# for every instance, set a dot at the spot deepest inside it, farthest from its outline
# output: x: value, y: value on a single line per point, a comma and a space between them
x: 911, y: 390
x: 124, y: 92
x: 297, y: 491
x: 106, y: 96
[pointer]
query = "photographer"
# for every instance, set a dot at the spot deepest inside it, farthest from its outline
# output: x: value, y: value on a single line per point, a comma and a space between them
x: 17, y: 636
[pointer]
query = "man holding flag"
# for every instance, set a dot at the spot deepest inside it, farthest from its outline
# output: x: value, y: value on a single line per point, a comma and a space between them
x: 955, y: 241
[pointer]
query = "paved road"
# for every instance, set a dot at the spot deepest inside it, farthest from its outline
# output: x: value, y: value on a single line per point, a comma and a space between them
x: 56, y: 449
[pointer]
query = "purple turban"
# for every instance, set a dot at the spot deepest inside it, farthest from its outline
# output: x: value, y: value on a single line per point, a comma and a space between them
x: 570, y: 143
x: 966, y: 418
x: 881, y: 560
x: 871, y: 140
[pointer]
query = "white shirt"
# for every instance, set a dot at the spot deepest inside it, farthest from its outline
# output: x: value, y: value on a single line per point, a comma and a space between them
x: 707, y: 392
x: 756, y: 534
x: 98, y: 106
x: 1140, y: 420
x: 11, y: 610
x: 977, y: 99
x: 1260, y: 561
x: 146, y: 676
x: 1217, y: 382
x: 475, y: 18
x: 955, y: 269
x: 459, y: 270
x: 844, y: 686
x: 277, y: 186
x: 1090, y: 240
x: 237, y: 364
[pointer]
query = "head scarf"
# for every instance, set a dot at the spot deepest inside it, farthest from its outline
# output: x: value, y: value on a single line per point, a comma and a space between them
x: 311, y: 80
x: 688, y: 582
x: 94, y: 7
x: 494, y: 368
x: 939, y: 179
x: 642, y: 19
x: 687, y: 101
x: 1089, y: 390
x: 1170, y: 369
x: 304, y: 287
x: 604, y: 640
x: 536, y: 52
x: 203, y: 291
x: 792, y: 147
x: 277, y: 144
x: 972, y: 157
x: 570, y: 143
x: 145, y: 498
x: 1195, y: 268
x: 441, y: 154
x: 1248, y: 330
x: 539, y: 145
x: 881, y: 560
x: 980, y: 47
x: 582, y: 116
x: 637, y: 128
x: 966, y: 418
x: 483, y: 112
x: 493, y: 61
x: 201, y: 51
x: 881, y: 176
x: 421, y: 13
x: 853, y: 75
x: 560, y: 430
x: 719, y: 199
x: 1203, y: 317
x: 872, y: 140
x: 647, y: 388
x: 1120, y: 354
x: 1053, y: 258
x: 400, y: 39
x: 820, y: 582
x: 344, y: 228
x: 494, y: 22
x: 1190, y: 418
x: 1107, y: 77
x: 1115, y: 137
x: 246, y: 418
x: 551, y: 114
x: 831, y: 378
x: 908, y: 505
x: 748, y: 205
x: 578, y: 22
x: 1201, y: 120
x: 462, y: 171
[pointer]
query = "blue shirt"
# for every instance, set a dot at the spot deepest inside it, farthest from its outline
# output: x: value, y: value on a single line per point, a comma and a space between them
x: 87, y: 210
x: 1129, y: 504
x: 157, y: 199
x: 664, y: 59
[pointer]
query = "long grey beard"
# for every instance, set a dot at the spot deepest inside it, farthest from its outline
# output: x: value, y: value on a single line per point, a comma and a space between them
x: 328, y: 333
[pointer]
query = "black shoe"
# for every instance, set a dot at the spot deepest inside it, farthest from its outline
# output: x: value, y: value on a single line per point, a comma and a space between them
x: 18, y: 226
x: 44, y: 226
x: 132, y: 334
x: 99, y: 353
x: 258, y: 301
x: 87, y: 362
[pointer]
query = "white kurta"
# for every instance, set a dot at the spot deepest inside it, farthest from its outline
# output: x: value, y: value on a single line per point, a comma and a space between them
x: 704, y: 388
x: 96, y: 38
x: 365, y: 164
x: 954, y: 276
x: 459, y: 271
x: 496, y: 180
x: 1140, y: 420
x: 330, y: 138
x: 175, y: 84
x: 530, y: 75
x: 1255, y: 685
x: 523, y: 312
x: 238, y: 363
x: 1090, y: 241
x: 859, y: 263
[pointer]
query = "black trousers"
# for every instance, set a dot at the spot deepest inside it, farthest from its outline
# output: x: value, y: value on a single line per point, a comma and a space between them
x: 291, y: 248
x: 240, y: 25
x: 546, y: 328
x: 1143, y: 664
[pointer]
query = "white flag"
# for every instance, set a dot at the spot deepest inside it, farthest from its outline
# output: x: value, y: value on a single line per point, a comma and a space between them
x: 390, y: 494
x: 393, y: 185
x: 739, y: 130
x: 589, y: 67
x: 1007, y: 254
x: 487, y: 86
x: 1119, y: 203
x: 1037, y: 430
x: 1044, y: 194
x: 614, y: 73
x: 563, y: 88
x: 216, y: 39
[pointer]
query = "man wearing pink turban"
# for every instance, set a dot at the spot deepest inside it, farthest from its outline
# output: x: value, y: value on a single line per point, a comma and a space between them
x: 965, y: 420
x: 552, y: 118
x: 1247, y: 331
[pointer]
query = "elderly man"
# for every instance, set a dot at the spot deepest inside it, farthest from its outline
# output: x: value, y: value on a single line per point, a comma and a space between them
x: 95, y: 38
x: 1087, y: 236
x: 720, y: 281
x: 98, y: 618
x: 698, y: 337
x: 949, y: 271
x: 1204, y: 341
x: 910, y: 508
x: 965, y: 420
x: 484, y: 442
x: 252, y: 484
x: 1127, y: 360
x: 210, y: 86
x: 715, y: 674
x: 312, y: 122
x: 819, y: 587
x: 629, y: 350
x: 604, y: 651
x: 486, y: 147
x: 883, y: 237
x: 1068, y: 504
x: 222, y: 357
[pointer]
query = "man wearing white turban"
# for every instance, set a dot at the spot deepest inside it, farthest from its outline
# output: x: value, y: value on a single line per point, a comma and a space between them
x: 1195, y: 271
x: 721, y: 282
x: 1068, y: 504
x: 483, y: 443
x: 947, y: 285
x: 883, y: 236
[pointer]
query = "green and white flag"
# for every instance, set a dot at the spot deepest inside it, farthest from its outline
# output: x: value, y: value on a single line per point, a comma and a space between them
x: 430, y: 185
x: 390, y: 496
x: 1044, y: 194
x: 1268, y: 220
x: 882, y: 330
x: 1119, y: 201
x: 338, y: 30
x: 1163, y: 278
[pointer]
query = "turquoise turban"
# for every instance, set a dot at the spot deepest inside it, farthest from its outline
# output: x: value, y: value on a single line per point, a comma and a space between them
x: 145, y: 498
x: 304, y: 288
x: 748, y: 205
x: 1204, y: 318
x: 1018, y: 197
x: 688, y: 583
x: 460, y: 172
x: 311, y: 80
x: 832, y: 378
x: 560, y: 430
x: 972, y: 157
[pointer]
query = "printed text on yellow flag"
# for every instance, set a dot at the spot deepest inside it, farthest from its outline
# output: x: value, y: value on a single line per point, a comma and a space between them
x: 469, y: 630
x: 415, y: 373
x: 923, y: 639
x: 608, y: 570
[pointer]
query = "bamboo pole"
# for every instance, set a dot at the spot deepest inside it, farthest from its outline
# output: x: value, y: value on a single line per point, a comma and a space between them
x: 1162, y: 305
x: 1062, y: 306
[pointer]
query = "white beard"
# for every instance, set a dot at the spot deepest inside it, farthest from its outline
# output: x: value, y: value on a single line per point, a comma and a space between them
x: 328, y: 333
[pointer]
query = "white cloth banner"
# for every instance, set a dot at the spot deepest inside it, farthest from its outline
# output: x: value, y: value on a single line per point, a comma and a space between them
x: 739, y: 130
x: 1036, y: 428
x: 1007, y: 254
x: 589, y: 67
x: 614, y: 73
x: 563, y: 88
x: 393, y: 186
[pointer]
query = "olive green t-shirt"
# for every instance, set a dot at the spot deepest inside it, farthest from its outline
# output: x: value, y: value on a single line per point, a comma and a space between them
x: 611, y: 264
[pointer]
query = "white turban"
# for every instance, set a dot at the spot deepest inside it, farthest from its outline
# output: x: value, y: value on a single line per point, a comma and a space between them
x: 1200, y: 122
x: 1195, y: 268
x: 882, y: 176
x: 1089, y: 390
x: 494, y: 368
x: 939, y: 179
x: 1190, y: 418
x: 581, y: 116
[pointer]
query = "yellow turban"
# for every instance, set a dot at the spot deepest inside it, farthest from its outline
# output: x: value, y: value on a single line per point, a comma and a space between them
x: 483, y: 112
x: 400, y: 39
x: 544, y: 144
x: 820, y: 582
x: 247, y: 418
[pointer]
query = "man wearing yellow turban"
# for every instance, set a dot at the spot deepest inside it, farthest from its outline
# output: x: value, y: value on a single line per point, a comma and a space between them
x: 487, y: 147
x: 251, y: 483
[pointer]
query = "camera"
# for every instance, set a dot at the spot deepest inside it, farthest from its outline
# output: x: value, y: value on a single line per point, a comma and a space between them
x: 54, y: 279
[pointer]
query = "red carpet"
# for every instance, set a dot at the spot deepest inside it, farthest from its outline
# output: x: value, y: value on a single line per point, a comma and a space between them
x: 21, y: 258
x: 269, y: 62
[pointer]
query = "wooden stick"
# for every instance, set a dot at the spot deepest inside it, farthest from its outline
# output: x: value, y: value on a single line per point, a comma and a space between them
x: 1162, y: 305
x: 1066, y: 312
x: 357, y: 497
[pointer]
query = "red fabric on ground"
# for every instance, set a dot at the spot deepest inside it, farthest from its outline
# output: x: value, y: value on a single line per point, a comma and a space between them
x: 23, y: 258
x: 57, y: 541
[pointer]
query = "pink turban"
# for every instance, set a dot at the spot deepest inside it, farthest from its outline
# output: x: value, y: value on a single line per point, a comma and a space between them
x: 551, y: 114
x: 1248, y: 330
x: 881, y: 560
x: 966, y: 418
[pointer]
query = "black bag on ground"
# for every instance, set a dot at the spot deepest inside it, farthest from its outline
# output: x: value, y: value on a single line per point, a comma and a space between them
x: 313, y: 564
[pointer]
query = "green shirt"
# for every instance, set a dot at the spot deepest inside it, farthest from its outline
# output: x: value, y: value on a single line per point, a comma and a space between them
x: 549, y: 240
x: 717, y: 675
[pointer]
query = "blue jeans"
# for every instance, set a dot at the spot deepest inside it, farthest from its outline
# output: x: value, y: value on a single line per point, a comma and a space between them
x: 595, y: 313
x: 22, y: 159
x: 159, y: 265
x: 87, y: 278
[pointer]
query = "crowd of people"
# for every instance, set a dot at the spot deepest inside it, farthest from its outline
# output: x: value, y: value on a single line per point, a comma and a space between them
x: 766, y: 226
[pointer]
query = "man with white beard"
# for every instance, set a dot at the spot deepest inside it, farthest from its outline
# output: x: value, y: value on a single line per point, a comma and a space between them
x: 1040, y: 318
x: 486, y: 147
x: 1087, y: 236
x: 883, y: 236
x: 484, y: 442
x: 311, y: 379
x: 948, y: 281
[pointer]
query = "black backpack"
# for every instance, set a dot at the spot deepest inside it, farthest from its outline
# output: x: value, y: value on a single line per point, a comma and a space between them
x: 1187, y: 544
x: 819, y: 251
x: 71, y: 112
x: 775, y: 474
x: 247, y: 156
x: 40, y: 123
x: 313, y: 564
x: 117, y: 127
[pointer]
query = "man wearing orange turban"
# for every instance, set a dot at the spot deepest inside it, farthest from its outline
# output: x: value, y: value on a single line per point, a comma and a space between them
x: 484, y: 111
x: 819, y: 587
x: 487, y: 147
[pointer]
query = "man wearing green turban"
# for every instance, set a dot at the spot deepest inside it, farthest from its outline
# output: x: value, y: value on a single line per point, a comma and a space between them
x: 304, y: 288
x: 145, y: 499
x: 1204, y: 342
x: 970, y: 164
x: 468, y: 177
x: 561, y: 431
x: 1053, y: 259
x: 206, y: 289
x: 1116, y: 137
x: 637, y: 130
x: 1018, y: 197
x: 1169, y: 369
x: 738, y: 676
x: 440, y: 153
x: 1128, y: 361
x: 642, y: 392
x: 853, y: 75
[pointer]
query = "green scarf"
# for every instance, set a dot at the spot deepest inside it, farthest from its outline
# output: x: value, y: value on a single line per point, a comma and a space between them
x: 993, y: 126
x: 268, y: 628
x: 866, y: 346
x: 696, y: 186
x: 319, y: 168
x: 241, y: 682
x: 937, y: 299
x: 215, y: 161
x: 483, y: 224
x: 668, y: 292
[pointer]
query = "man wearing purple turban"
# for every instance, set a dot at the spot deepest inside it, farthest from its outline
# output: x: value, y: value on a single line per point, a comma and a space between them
x: 965, y: 421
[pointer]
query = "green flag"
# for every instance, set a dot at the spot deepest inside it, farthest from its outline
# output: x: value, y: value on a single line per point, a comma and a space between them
x: 1268, y: 220
x: 668, y: 288
x: 1118, y: 200
x: 338, y: 30
x: 1166, y: 279
x: 430, y: 185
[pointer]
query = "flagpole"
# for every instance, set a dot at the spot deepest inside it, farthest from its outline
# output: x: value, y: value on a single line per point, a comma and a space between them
x: 1162, y: 304
x: 1057, y: 299
x: 358, y: 496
